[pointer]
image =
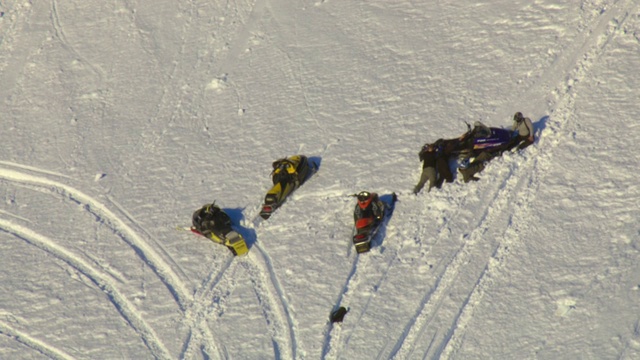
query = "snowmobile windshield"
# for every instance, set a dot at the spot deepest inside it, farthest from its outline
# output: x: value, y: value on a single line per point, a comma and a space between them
x: 482, y: 132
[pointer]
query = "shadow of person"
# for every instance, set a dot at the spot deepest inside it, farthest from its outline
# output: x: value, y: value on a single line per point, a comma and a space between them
x: 539, y: 126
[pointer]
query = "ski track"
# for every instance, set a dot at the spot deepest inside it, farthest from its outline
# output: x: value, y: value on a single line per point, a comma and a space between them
x: 526, y: 179
x: 46, y: 350
x: 332, y: 332
x: 282, y: 326
x: 239, y: 43
x: 270, y: 293
x: 432, y: 300
x: 59, y: 33
x: 197, y: 315
x: 208, y: 299
x: 173, y: 93
x: 225, y: 64
x: 21, y: 12
x: 277, y: 317
x: 122, y: 230
x: 380, y: 280
x: 264, y: 265
x: 332, y: 343
x: 97, y: 276
x: 529, y: 183
x: 147, y: 254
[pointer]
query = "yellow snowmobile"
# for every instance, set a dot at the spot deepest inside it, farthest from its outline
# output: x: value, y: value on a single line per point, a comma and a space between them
x: 287, y: 175
x: 213, y: 223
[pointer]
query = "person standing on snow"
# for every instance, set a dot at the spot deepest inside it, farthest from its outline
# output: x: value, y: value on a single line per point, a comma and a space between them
x: 435, y: 167
x: 428, y: 157
x: 442, y: 164
x: 524, y: 128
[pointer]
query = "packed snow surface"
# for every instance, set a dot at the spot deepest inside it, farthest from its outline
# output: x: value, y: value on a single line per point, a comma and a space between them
x: 120, y: 118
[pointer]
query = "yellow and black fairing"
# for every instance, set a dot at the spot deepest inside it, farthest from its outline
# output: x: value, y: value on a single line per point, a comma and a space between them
x: 232, y: 240
x: 287, y: 175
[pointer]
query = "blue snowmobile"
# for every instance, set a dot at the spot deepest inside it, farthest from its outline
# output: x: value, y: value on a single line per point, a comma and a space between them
x: 478, y: 139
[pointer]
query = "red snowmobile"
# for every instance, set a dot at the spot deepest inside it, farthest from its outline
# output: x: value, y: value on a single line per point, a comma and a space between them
x: 368, y: 216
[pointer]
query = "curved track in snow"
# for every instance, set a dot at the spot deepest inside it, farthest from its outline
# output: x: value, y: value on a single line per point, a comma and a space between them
x: 101, y: 278
x: 471, y: 248
x: 484, y: 251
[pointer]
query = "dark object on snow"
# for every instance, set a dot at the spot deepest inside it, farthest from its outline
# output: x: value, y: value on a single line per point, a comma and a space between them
x: 435, y: 166
x: 523, y: 130
x: 211, y: 219
x: 338, y: 314
x: 212, y: 222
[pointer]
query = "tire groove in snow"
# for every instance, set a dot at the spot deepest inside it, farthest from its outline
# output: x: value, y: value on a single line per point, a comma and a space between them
x: 122, y: 230
x: 433, y: 300
x: 332, y: 345
x: 498, y: 251
x: 197, y: 316
x: 332, y: 333
x: 264, y: 266
x: 531, y: 183
x: 408, y: 333
x: 279, y: 325
x: 35, y: 344
x: 99, y: 278
x: 146, y: 253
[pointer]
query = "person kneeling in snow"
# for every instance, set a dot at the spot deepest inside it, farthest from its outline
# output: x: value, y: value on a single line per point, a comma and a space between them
x: 469, y: 169
x: 524, y: 128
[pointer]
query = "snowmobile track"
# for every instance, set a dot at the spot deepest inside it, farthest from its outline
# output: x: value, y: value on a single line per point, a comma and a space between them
x: 274, y: 304
x: 529, y: 183
x: 158, y: 260
x: 527, y: 180
x: 332, y: 343
x: 208, y: 299
x: 99, y: 278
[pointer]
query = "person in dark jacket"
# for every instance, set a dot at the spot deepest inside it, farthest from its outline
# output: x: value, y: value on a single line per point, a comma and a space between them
x: 428, y: 157
x: 435, y: 166
x: 368, y: 204
x: 442, y: 164
x: 210, y: 218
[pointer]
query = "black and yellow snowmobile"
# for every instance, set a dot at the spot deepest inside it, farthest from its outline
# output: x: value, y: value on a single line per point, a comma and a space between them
x: 213, y: 223
x: 287, y: 175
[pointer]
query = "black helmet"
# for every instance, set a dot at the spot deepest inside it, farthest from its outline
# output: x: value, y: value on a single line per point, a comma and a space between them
x: 364, y: 196
x: 518, y: 117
